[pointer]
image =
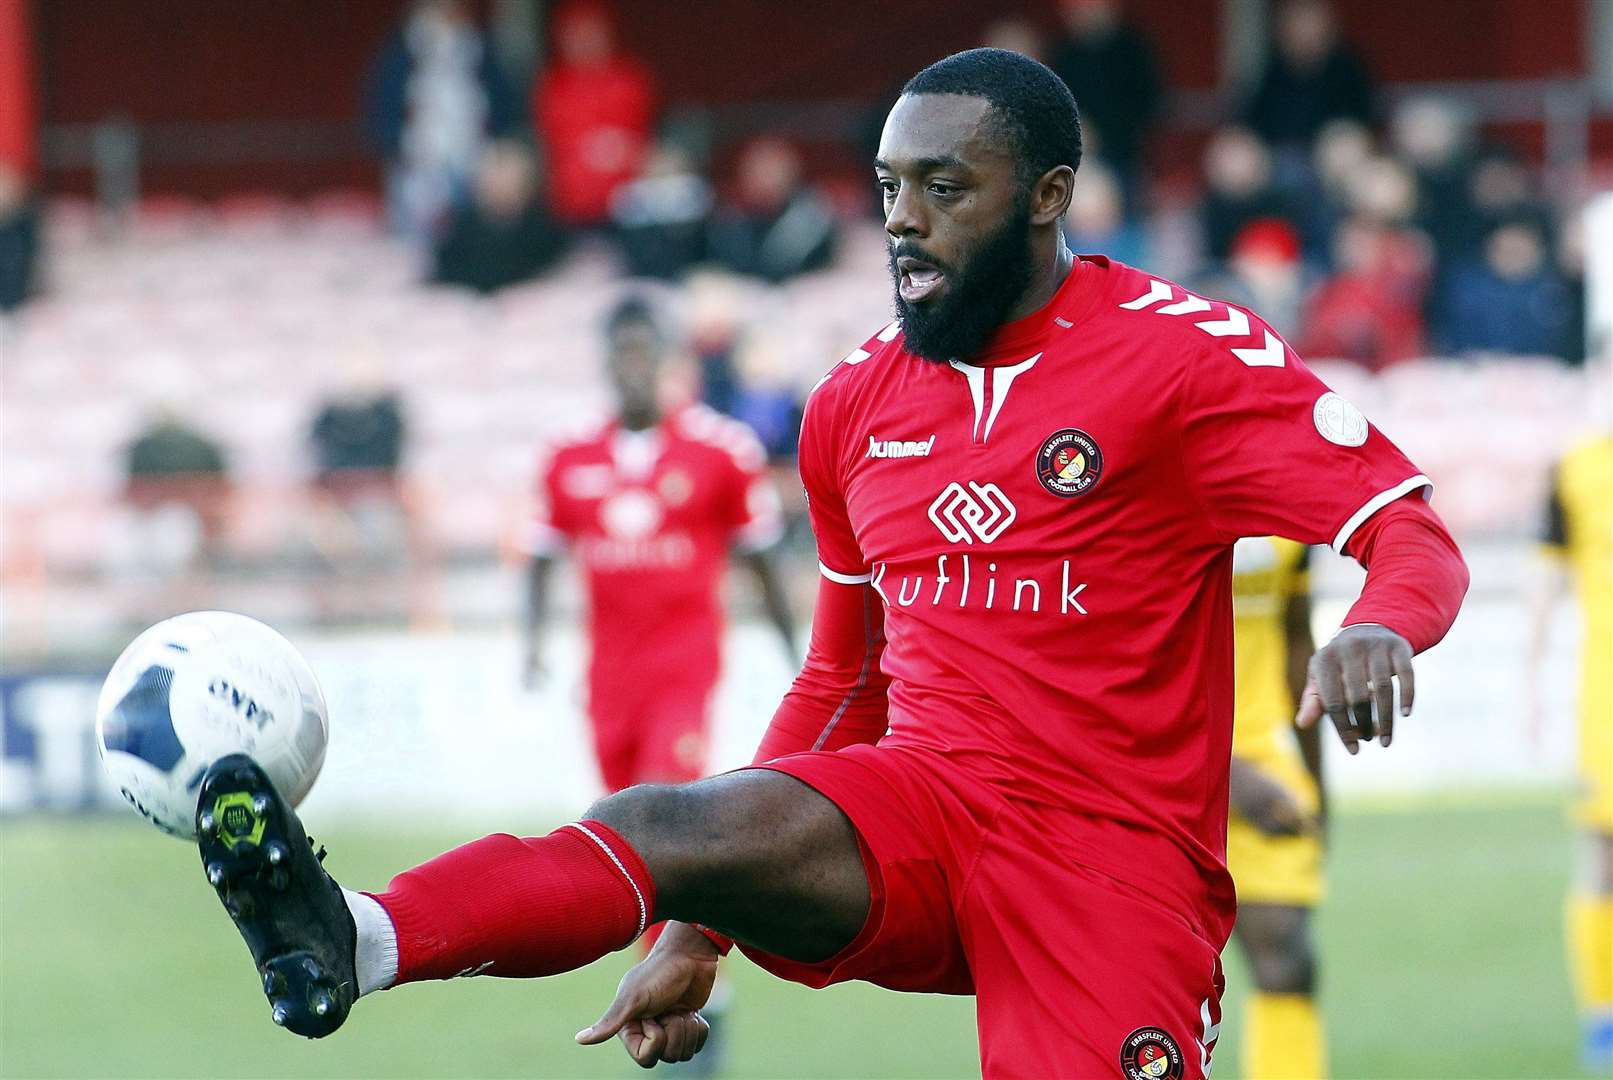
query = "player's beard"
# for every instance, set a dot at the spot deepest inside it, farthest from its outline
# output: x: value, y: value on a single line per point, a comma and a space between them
x: 979, y: 294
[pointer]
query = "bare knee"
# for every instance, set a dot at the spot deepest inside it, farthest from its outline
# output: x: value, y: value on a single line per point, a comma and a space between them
x: 1276, y: 939
x: 756, y: 854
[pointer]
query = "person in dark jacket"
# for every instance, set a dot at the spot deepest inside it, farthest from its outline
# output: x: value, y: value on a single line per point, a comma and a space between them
x: 505, y: 235
x: 1310, y: 77
x: 435, y: 96
x: 1110, y: 68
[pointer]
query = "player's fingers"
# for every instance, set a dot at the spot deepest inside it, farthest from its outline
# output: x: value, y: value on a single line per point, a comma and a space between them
x: 1330, y: 686
x: 1310, y: 706
x: 1400, y: 659
x: 1353, y: 672
x: 649, y: 1050
x: 621, y: 1010
x: 702, y: 1032
x: 1381, y: 670
x: 674, y: 1027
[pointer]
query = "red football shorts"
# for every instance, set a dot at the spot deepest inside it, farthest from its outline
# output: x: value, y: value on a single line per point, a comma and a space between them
x: 1076, y: 973
x: 651, y: 728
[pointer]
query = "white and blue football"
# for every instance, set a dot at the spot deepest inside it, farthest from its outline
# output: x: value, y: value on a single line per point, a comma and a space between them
x: 198, y: 687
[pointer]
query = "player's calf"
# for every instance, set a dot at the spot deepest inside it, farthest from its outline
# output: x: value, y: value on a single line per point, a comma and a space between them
x: 290, y: 912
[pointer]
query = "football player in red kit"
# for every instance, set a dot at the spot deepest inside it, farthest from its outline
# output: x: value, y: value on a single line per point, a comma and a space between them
x: 1003, y: 768
x: 650, y: 503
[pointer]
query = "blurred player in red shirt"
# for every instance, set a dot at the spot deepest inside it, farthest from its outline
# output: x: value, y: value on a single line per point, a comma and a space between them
x: 1003, y: 769
x: 650, y: 503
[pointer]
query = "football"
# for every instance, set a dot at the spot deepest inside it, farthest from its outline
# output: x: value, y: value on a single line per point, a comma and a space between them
x: 195, y: 688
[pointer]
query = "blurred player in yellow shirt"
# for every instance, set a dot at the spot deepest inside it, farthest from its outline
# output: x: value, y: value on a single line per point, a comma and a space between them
x: 1274, y: 846
x: 1578, y: 535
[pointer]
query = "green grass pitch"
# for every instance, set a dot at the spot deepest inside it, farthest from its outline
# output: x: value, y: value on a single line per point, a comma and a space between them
x: 1440, y: 953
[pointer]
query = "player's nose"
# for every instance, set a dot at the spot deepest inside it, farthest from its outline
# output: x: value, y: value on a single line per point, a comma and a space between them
x: 906, y: 214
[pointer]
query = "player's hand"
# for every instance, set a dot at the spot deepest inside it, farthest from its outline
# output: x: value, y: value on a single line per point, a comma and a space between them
x: 1352, y: 682
x: 655, y: 1007
x: 1266, y: 804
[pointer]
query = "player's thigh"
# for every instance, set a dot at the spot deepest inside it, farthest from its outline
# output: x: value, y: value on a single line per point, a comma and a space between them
x: 1078, y: 975
x: 918, y: 823
x: 757, y: 854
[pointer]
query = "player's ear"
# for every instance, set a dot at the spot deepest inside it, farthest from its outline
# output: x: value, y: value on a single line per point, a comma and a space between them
x: 1050, y: 195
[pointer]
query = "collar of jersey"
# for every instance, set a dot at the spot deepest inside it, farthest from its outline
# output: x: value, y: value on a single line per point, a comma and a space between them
x: 1076, y: 296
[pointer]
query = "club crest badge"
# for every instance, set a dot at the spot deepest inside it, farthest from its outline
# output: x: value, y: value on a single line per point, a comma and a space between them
x: 1150, y: 1054
x: 1069, y: 463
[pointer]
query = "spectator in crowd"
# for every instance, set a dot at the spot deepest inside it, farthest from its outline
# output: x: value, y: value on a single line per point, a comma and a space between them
x: 1514, y: 301
x: 357, y: 440
x: 1435, y: 138
x: 1502, y: 189
x: 767, y: 398
x: 716, y: 302
x: 171, y: 465
x: 19, y: 238
x: 1571, y: 265
x: 1342, y: 150
x: 1110, y: 68
x: 1264, y: 272
x: 1370, y: 310
x: 1310, y: 77
x: 358, y: 437
x: 436, y: 95
x: 776, y: 226
x: 594, y: 107
x: 1238, y: 189
x: 1096, y: 221
x: 504, y: 235
x: 661, y: 218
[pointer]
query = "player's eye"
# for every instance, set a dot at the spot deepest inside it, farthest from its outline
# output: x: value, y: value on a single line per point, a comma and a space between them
x: 887, y: 187
x: 944, y: 190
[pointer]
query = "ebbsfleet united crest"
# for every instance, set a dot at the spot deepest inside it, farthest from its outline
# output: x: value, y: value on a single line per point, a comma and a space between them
x: 1069, y: 463
x: 1150, y: 1054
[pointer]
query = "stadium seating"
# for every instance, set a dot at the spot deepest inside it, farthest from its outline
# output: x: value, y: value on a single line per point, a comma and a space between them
x: 243, y: 327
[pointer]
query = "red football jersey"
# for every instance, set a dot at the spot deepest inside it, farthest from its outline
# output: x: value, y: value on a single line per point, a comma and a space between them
x: 1050, y: 528
x: 650, y: 517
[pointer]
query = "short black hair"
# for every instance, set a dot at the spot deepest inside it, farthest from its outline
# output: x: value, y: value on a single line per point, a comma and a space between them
x: 1036, y: 110
x: 634, y: 309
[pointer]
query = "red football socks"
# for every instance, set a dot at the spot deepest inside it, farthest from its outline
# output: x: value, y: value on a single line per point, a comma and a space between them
x: 520, y: 908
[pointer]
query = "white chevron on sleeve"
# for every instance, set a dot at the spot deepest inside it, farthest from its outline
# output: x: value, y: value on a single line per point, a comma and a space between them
x: 1192, y: 305
x: 1236, y: 324
x: 1157, y: 291
x: 1270, y: 355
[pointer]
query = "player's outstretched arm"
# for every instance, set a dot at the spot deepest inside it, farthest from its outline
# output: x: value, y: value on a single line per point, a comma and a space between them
x: 1415, y: 583
x: 839, y: 696
x: 656, y: 1006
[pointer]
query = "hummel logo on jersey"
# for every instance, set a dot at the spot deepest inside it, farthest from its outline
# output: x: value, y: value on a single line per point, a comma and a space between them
x: 980, y: 512
x: 896, y: 448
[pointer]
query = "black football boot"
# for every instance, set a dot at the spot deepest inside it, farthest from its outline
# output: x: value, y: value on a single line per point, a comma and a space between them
x: 291, y: 913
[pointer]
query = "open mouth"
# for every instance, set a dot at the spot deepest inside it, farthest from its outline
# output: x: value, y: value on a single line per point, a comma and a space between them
x: 919, y: 279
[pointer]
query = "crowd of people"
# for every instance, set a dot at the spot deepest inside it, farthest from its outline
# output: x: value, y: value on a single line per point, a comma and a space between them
x: 1363, y: 230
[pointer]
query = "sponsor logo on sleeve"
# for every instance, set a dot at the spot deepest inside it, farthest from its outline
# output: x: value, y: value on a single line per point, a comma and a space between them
x: 1339, y: 421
